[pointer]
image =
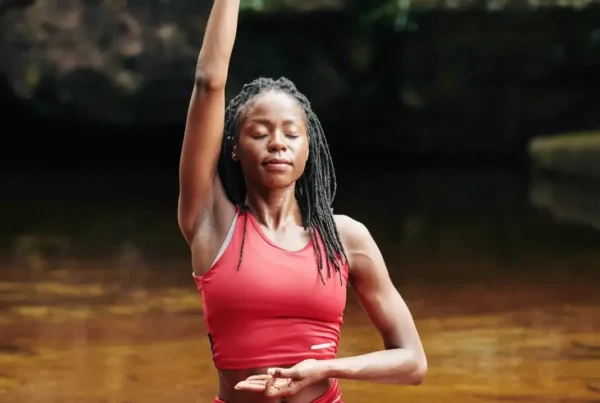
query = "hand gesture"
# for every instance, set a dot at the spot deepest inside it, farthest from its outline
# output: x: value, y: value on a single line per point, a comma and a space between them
x: 281, y: 382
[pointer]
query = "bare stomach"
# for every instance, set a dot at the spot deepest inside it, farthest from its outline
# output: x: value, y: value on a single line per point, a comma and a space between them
x: 228, y: 378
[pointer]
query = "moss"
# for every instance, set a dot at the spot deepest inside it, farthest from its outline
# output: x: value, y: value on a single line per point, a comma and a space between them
x: 32, y: 75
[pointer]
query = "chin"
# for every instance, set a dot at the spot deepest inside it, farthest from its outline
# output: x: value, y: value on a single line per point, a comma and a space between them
x: 277, y: 182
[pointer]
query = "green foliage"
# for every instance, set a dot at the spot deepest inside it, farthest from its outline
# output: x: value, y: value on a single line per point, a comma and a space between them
x: 262, y: 5
x: 253, y: 4
x: 369, y: 12
x: 396, y: 11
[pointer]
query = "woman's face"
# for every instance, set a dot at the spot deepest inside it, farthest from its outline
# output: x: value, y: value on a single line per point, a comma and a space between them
x: 272, y: 145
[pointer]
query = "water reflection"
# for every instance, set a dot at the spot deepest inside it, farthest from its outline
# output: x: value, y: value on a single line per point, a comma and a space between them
x: 97, y: 303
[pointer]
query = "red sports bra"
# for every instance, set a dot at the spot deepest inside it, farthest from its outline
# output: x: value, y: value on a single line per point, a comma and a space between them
x: 275, y: 309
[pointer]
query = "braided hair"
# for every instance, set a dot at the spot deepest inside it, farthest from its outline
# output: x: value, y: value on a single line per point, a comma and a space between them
x: 315, y: 189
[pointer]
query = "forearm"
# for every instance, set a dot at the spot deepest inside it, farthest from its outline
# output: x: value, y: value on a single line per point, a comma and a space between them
x: 394, y: 366
x: 219, y: 38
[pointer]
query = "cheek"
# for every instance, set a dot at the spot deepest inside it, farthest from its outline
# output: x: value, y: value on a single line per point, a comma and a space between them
x: 303, y: 149
x: 307, y: 151
x: 303, y: 156
x: 247, y: 151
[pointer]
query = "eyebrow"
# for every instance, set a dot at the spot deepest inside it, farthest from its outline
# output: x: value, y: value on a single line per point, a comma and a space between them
x: 267, y: 122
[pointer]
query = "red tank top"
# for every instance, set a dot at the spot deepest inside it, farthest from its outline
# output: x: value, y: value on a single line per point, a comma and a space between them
x: 275, y: 309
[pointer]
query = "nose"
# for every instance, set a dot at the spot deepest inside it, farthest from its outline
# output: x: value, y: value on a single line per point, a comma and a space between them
x: 277, y: 142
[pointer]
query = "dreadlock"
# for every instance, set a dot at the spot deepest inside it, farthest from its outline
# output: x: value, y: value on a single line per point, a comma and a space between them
x: 315, y: 189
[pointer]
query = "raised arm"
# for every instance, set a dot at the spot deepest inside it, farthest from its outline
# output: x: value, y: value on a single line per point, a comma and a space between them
x: 200, y: 190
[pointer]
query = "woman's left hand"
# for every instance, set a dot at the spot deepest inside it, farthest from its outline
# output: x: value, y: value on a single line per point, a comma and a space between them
x: 281, y: 382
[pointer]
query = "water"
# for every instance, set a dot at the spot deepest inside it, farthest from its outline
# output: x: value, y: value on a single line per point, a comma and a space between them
x: 97, y: 303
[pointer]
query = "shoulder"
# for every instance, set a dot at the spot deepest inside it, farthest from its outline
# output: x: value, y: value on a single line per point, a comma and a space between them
x: 354, y: 234
x: 365, y: 262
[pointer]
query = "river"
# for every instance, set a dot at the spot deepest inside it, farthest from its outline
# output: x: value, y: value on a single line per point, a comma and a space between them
x: 97, y: 303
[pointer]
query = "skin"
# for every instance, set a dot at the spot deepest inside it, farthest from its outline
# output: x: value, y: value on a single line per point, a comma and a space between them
x: 274, y: 126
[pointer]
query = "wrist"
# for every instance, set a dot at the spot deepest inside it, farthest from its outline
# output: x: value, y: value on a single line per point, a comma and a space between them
x: 327, y: 369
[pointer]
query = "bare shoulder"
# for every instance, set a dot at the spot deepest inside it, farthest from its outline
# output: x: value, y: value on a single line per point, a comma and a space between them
x: 353, y: 233
x: 364, y: 257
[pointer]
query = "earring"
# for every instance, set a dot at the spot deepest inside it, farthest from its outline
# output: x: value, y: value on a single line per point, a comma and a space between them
x: 233, y: 156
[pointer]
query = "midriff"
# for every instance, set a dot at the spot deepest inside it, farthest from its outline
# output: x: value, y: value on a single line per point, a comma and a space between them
x: 229, y: 378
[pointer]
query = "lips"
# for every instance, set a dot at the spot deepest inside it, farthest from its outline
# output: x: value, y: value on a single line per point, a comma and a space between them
x: 277, y: 161
x: 277, y: 165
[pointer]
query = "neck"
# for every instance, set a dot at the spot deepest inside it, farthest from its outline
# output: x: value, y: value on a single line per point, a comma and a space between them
x: 274, y: 208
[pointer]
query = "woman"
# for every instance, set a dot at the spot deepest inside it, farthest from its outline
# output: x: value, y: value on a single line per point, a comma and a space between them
x: 269, y: 257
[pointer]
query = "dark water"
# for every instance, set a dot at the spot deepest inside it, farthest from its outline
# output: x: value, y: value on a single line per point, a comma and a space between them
x: 97, y: 303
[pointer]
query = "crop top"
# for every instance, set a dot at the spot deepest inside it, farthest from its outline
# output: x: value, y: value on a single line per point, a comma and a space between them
x: 274, y: 310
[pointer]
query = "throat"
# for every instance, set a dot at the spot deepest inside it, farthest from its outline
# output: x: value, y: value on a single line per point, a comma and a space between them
x: 275, y: 210
x: 290, y: 236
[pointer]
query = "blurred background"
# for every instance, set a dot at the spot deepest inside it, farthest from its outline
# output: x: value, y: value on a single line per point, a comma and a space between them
x: 466, y: 136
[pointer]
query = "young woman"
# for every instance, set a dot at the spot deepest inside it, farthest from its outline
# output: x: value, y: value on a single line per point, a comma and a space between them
x: 270, y: 259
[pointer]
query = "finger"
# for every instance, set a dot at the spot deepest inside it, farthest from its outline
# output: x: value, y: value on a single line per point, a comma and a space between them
x: 261, y: 377
x: 253, y: 382
x: 281, y: 382
x: 280, y: 388
x: 269, y: 385
x: 251, y: 386
x: 282, y: 372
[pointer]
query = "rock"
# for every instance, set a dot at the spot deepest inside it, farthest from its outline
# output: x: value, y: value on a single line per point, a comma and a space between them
x: 86, y: 55
x: 572, y: 154
x: 449, y: 82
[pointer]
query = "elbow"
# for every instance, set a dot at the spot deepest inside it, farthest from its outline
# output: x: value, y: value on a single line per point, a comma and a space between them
x: 412, y: 369
x: 210, y: 81
x: 185, y: 222
x: 186, y: 228
x: 419, y: 371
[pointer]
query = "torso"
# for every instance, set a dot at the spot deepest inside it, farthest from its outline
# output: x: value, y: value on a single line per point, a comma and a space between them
x: 289, y: 286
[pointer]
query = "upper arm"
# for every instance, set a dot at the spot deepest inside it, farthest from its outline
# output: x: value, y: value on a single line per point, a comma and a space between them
x: 200, y: 189
x: 373, y: 286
